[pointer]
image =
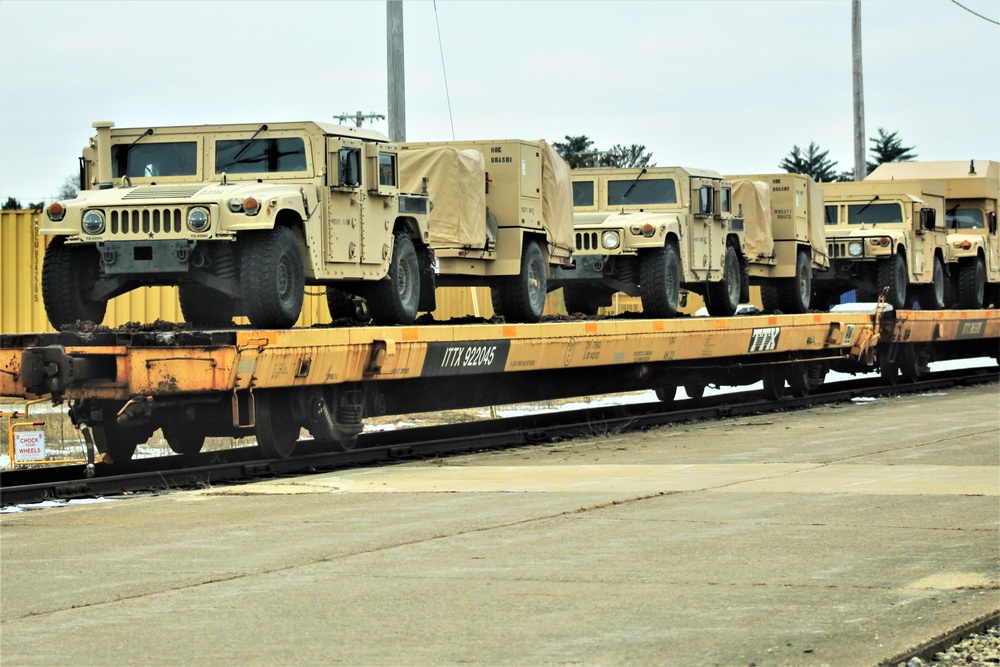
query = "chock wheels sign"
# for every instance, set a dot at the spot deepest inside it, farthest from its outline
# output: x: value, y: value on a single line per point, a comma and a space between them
x: 29, y: 446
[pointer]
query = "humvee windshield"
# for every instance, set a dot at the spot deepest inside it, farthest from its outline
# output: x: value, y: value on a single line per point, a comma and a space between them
x: 583, y: 193
x: 860, y: 214
x: 831, y: 215
x: 653, y: 191
x: 165, y: 158
x: 964, y: 218
x: 261, y: 156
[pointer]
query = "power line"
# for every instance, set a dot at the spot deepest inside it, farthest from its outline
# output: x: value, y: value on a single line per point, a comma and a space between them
x: 443, y: 71
x: 985, y: 18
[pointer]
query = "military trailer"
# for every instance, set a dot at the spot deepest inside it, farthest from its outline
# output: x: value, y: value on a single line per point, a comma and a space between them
x: 650, y: 232
x: 973, y: 249
x: 240, y: 218
x: 885, y: 234
x: 785, y: 236
x: 501, y: 216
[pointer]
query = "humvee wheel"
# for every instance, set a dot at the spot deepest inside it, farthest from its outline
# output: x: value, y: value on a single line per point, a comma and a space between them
x: 931, y: 297
x: 971, y: 284
x: 770, y: 297
x: 206, y: 307
x: 724, y: 296
x: 394, y: 299
x: 660, y: 281
x: 584, y: 299
x: 272, y: 278
x: 343, y: 306
x: 276, y: 431
x: 69, y: 273
x: 521, y: 298
x: 795, y: 294
x: 183, y: 440
x: 892, y: 273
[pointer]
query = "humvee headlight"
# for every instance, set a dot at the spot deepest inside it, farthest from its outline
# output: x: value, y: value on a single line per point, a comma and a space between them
x: 610, y: 240
x: 93, y: 222
x: 56, y: 211
x: 198, y: 219
x: 854, y: 249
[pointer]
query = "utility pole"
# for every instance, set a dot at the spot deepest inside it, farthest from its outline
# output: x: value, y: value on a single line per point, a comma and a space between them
x: 359, y: 117
x: 396, y: 77
x: 860, y: 167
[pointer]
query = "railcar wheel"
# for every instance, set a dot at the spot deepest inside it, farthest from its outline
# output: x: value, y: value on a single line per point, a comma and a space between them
x: 774, y: 382
x: 695, y: 391
x: 805, y: 378
x: 971, y: 284
x: 395, y: 298
x: 69, y: 274
x: 724, y: 296
x: 912, y: 361
x: 931, y: 297
x: 277, y: 432
x: 272, y: 278
x: 660, y: 281
x: 205, y: 307
x: 796, y: 293
x: 521, y: 298
x: 892, y: 273
x: 666, y: 394
x: 183, y: 440
x: 117, y: 441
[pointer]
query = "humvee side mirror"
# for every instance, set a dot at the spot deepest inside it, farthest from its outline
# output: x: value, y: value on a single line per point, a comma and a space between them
x: 993, y: 222
x: 928, y: 218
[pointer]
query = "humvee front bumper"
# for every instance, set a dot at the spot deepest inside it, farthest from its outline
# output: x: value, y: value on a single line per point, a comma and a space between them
x: 135, y: 257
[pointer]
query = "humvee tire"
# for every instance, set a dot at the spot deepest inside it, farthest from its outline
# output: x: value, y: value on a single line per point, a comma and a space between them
x: 891, y: 272
x: 206, y: 307
x: 521, y: 298
x: 971, y: 284
x: 394, y: 299
x: 795, y: 294
x: 770, y: 298
x: 724, y: 296
x: 272, y: 278
x: 931, y: 297
x: 68, y: 275
x: 660, y: 281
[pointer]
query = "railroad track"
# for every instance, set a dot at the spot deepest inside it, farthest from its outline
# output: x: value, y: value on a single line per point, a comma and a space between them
x: 244, y: 464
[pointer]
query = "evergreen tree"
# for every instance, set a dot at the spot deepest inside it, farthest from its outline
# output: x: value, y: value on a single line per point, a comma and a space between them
x: 888, y: 147
x: 12, y: 204
x: 635, y: 155
x: 813, y: 162
x: 578, y: 151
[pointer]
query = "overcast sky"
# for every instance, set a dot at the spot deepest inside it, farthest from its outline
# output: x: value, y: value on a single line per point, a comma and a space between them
x: 723, y: 85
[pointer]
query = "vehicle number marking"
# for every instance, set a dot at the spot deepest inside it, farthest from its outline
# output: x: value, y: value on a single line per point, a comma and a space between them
x: 764, y: 339
x: 971, y: 329
x: 466, y: 358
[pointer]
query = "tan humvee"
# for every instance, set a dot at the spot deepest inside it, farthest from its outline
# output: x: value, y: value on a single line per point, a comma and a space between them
x: 241, y: 218
x: 973, y: 251
x: 785, y: 236
x: 501, y: 216
x: 885, y: 234
x: 649, y: 232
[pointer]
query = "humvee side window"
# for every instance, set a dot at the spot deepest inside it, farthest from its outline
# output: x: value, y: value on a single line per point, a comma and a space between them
x: 154, y: 159
x: 583, y: 193
x: 386, y: 169
x: 705, y: 196
x: 349, y: 167
x: 260, y: 156
x: 725, y: 198
x: 860, y: 214
x: 831, y: 215
x: 652, y: 191
x: 965, y: 218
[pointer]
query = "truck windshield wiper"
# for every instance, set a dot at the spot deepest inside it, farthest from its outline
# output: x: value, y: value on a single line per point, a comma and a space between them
x: 860, y: 210
x: 625, y: 196
x: 248, y: 144
x: 132, y: 145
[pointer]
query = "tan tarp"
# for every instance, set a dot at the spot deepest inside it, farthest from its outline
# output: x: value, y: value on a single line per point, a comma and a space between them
x: 755, y: 198
x: 456, y: 182
x: 557, y: 198
x: 817, y: 218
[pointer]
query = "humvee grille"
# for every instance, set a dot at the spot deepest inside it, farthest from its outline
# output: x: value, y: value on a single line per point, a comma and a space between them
x: 165, y: 192
x: 131, y: 221
x: 586, y: 241
x: 837, y: 249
